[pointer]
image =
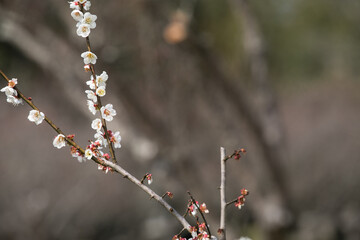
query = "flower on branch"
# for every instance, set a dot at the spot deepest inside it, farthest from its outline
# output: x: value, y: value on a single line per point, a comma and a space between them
x: 77, y: 15
x: 100, y: 91
x: 91, y: 106
x: 91, y: 95
x: 88, y: 153
x: 101, y: 80
x: 59, y: 141
x: 83, y: 31
x: 11, y: 93
x: 36, y: 116
x: 149, y: 178
x: 116, y: 139
x: 99, y: 136
x: 107, y: 112
x: 89, y: 19
x: 89, y: 57
x: 96, y: 124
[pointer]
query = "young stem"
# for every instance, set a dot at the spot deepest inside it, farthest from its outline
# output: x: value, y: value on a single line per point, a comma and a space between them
x: 222, y: 194
x: 202, y: 215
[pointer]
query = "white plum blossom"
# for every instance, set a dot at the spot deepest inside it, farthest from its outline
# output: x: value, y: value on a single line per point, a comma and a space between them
x: 107, y: 112
x: 101, y: 91
x: 91, y: 106
x: 99, y: 136
x: 96, y: 124
x: 101, y: 80
x: 87, y: 5
x: 91, y: 83
x: 89, y: 57
x: 83, y: 31
x: 117, y: 139
x: 74, y: 5
x: 14, y: 100
x: 9, y: 91
x: 59, y: 141
x: 89, y: 19
x: 36, y: 116
x: 91, y: 95
x: 88, y: 153
x: 77, y: 15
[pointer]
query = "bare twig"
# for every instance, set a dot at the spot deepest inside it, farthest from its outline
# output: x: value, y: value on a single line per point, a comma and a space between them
x: 222, y: 194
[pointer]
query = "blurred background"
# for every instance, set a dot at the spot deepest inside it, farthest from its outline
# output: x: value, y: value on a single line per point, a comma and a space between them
x: 278, y: 78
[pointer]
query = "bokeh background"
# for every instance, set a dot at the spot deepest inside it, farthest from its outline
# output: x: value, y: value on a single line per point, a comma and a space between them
x: 279, y: 78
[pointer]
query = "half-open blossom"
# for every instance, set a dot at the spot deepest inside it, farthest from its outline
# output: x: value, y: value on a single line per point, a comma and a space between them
x: 59, y: 141
x: 101, y: 80
x: 91, y: 106
x: 107, y: 112
x: 91, y: 95
x: 90, y: 20
x: 77, y: 15
x: 91, y: 83
x: 96, y: 124
x: 89, y: 57
x: 14, y: 100
x: 83, y: 31
x: 36, y: 116
x: 149, y: 178
x: 116, y: 139
x: 99, y: 136
x: 74, y: 5
x: 87, y: 5
x: 100, y: 91
x: 203, y: 208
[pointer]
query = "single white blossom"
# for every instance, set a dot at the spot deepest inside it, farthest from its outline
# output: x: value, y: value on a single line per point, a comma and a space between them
x: 96, y: 124
x: 91, y: 106
x: 101, y: 80
x: 88, y: 153
x: 91, y: 83
x: 74, y: 5
x: 116, y: 139
x: 87, y: 5
x: 91, y: 95
x: 77, y: 15
x: 89, y: 19
x: 83, y: 31
x: 14, y: 100
x: 107, y: 112
x: 59, y: 141
x: 89, y: 57
x: 9, y: 91
x: 36, y: 116
x: 101, y: 91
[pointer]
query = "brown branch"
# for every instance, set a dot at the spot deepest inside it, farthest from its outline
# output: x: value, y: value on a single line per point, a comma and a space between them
x: 110, y: 164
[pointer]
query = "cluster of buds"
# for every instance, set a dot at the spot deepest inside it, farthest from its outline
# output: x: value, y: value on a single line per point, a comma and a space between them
x: 193, y: 208
x: 197, y: 233
x: 11, y: 93
x: 148, y: 177
x: 237, y: 155
x: 241, y: 199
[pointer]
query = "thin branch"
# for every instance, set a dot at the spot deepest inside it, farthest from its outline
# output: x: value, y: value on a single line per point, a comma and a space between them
x: 222, y: 194
x: 202, y: 215
x: 110, y: 164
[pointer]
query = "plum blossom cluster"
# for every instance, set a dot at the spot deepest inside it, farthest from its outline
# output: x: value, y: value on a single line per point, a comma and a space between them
x: 240, y: 202
x: 11, y: 93
x: 97, y: 84
x: 85, y: 21
x: 198, y: 232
